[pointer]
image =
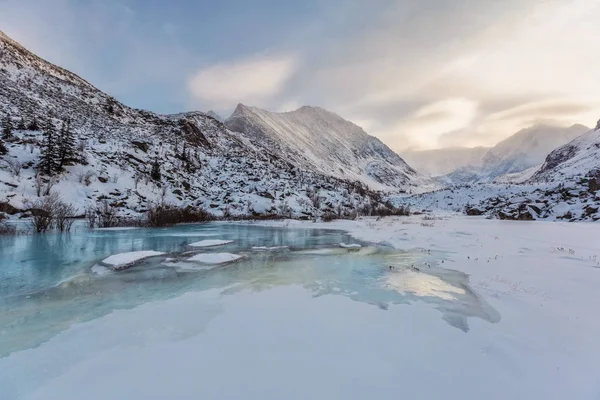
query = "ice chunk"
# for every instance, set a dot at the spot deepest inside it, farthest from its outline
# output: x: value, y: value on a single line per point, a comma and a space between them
x: 122, y: 260
x: 100, y: 270
x: 210, y: 243
x: 265, y: 248
x: 350, y: 246
x: 214, y: 258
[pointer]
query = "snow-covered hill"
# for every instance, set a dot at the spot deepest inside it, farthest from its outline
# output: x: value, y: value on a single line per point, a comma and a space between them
x: 520, y: 152
x: 573, y: 160
x: 202, y: 163
x: 321, y: 141
x: 444, y: 161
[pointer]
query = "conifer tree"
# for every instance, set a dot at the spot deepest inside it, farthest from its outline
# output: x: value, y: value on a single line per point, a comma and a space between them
x: 184, y: 152
x: 22, y: 125
x: 7, y: 127
x: 3, y: 149
x: 49, y: 149
x: 33, y: 125
x: 155, y: 173
x: 65, y: 146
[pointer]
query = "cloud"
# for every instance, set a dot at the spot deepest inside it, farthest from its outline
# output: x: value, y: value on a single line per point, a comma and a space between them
x: 423, y: 128
x: 254, y: 81
x: 416, y: 74
x: 511, y: 64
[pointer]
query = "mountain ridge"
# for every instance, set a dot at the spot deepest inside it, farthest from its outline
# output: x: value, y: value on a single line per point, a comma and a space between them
x: 201, y: 164
x: 323, y: 141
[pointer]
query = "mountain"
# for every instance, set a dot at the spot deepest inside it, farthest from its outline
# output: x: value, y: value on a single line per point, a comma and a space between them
x: 444, y: 161
x: 575, y: 159
x: 197, y: 160
x: 519, y: 152
x: 321, y: 141
x: 216, y: 116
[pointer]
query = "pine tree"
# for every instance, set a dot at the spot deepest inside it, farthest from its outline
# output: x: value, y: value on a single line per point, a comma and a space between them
x: 66, y: 146
x: 22, y: 125
x: 33, y: 125
x: 155, y: 173
x: 49, y: 151
x: 7, y: 127
x: 3, y: 149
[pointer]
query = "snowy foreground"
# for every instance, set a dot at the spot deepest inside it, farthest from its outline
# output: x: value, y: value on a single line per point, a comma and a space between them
x: 282, y: 343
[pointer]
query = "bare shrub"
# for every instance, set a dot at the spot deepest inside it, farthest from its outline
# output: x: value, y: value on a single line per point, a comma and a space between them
x: 49, y: 185
x: 106, y: 215
x: 91, y: 216
x: 63, y: 219
x: 43, y: 212
x: 85, y: 177
x: 329, y: 216
x: 14, y: 167
x: 315, y: 199
x: 167, y: 215
x: 7, y: 230
x: 284, y: 210
x: 39, y: 184
x: 136, y: 180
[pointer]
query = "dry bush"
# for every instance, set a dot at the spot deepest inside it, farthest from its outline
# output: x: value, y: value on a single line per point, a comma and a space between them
x: 63, y: 218
x: 14, y: 166
x: 329, y: 216
x: 167, y: 215
x: 85, y: 177
x: 6, y: 229
x: 106, y: 215
x: 43, y: 212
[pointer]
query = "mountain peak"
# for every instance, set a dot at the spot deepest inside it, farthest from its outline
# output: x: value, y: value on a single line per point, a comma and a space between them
x: 215, y: 115
x: 324, y: 142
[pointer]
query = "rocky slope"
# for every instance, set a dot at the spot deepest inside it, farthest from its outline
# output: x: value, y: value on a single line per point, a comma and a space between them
x: 202, y: 163
x: 573, y: 160
x: 318, y: 140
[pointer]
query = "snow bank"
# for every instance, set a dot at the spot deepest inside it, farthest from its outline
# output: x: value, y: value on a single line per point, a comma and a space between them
x: 122, y: 260
x: 210, y: 243
x: 100, y: 270
x: 214, y: 258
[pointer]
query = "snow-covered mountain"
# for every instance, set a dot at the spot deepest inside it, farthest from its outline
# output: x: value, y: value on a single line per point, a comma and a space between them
x: 216, y: 116
x: 573, y: 160
x: 519, y: 152
x: 444, y: 161
x: 202, y: 164
x: 323, y: 142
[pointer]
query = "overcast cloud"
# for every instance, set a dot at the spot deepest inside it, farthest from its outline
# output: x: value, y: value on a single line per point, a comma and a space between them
x: 417, y: 74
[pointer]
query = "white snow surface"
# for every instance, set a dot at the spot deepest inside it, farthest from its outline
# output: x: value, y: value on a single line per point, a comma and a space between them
x: 122, y: 259
x: 214, y: 258
x: 541, y: 277
x: 210, y: 243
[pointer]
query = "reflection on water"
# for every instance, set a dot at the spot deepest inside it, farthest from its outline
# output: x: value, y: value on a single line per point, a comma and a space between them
x: 47, y: 283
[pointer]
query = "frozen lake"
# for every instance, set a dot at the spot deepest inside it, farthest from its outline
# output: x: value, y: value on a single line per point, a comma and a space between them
x: 246, y: 311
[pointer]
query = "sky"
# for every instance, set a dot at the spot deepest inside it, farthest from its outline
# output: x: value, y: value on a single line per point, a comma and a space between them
x: 417, y: 74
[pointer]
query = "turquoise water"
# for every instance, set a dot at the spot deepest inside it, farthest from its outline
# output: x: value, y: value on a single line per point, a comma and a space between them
x: 47, y: 282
